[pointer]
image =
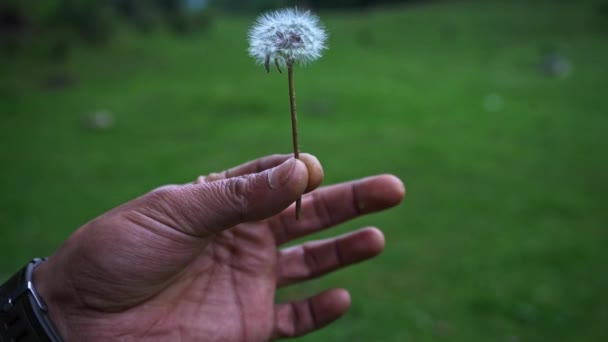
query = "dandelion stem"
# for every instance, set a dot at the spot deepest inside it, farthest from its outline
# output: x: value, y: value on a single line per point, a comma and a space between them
x: 294, y: 127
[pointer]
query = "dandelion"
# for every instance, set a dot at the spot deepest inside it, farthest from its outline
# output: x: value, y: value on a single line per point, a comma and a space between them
x: 285, y: 38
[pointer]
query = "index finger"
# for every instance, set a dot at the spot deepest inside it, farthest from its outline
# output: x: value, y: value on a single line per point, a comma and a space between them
x: 315, y: 170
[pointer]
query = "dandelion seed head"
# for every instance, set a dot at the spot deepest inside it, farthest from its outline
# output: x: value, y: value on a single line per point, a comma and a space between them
x: 286, y: 37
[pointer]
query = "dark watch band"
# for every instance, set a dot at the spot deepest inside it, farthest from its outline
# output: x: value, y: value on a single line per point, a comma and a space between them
x: 23, y: 314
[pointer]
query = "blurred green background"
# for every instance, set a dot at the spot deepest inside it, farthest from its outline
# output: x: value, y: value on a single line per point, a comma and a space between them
x: 494, y: 113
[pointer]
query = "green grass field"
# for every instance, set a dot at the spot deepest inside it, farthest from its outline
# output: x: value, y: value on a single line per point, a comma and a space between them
x: 504, y: 231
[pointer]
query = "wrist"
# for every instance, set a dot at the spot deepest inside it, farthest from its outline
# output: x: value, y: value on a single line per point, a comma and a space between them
x: 55, y: 295
x: 23, y: 313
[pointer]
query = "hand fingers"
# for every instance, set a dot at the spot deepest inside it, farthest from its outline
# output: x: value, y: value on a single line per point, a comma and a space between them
x: 314, y: 259
x: 315, y: 171
x: 335, y: 204
x: 201, y: 209
x: 302, y: 317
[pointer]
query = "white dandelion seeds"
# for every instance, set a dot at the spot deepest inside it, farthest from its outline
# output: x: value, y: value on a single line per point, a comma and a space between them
x: 287, y: 37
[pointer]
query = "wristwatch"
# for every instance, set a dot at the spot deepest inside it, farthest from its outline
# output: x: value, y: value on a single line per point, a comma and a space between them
x: 23, y: 314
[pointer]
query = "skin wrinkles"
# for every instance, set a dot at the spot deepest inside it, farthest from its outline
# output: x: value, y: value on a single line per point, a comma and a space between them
x: 203, y: 261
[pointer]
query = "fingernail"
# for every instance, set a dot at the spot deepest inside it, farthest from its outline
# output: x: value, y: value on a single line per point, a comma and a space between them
x: 280, y: 174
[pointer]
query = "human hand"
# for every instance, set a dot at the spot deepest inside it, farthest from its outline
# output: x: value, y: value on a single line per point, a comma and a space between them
x: 202, y: 261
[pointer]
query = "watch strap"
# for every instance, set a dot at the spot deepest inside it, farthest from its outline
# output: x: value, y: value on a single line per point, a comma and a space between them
x: 23, y: 314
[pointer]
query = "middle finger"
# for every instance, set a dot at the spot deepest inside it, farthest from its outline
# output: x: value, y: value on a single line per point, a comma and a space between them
x: 335, y: 204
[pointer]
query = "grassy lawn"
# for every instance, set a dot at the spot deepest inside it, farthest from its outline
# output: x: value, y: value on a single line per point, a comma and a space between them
x: 503, y: 235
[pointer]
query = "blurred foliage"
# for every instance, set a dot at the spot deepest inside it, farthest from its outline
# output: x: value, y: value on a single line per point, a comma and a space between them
x: 251, y: 6
x: 260, y: 5
x: 354, y: 3
x: 60, y: 22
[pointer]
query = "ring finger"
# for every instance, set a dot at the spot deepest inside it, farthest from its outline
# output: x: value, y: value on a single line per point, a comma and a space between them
x: 314, y: 259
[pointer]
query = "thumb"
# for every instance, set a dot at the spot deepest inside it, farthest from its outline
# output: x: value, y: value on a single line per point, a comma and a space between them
x: 207, y: 208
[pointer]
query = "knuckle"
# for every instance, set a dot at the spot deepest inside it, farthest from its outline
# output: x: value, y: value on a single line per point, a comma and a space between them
x: 215, y: 176
x: 164, y: 205
x: 163, y: 194
x: 163, y: 200
x: 310, y: 259
x: 239, y: 193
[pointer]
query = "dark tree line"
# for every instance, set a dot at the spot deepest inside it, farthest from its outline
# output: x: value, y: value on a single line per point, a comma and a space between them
x: 259, y: 5
x: 94, y: 21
